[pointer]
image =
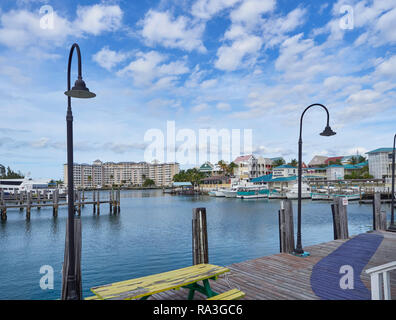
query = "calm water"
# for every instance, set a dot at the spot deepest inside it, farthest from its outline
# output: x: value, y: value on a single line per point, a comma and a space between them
x: 152, y: 234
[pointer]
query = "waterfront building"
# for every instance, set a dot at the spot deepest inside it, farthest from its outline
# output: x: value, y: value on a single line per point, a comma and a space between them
x: 246, y: 167
x: 284, y: 171
x: 123, y: 173
x: 333, y: 160
x: 207, y: 167
x: 380, y: 164
x: 335, y: 172
x: 317, y: 161
x: 264, y: 166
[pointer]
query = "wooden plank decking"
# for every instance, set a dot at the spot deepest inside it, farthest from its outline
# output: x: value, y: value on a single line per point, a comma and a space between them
x: 286, y: 277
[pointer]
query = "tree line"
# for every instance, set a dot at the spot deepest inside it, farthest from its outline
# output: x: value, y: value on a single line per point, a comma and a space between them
x: 9, y: 173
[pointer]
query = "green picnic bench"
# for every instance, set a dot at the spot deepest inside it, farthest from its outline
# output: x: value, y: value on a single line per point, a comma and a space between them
x: 142, y: 288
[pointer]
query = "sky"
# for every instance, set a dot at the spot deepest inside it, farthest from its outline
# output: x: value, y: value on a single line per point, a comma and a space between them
x: 200, y: 64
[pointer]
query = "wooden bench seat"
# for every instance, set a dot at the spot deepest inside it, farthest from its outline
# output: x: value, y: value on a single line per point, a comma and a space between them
x: 233, y: 294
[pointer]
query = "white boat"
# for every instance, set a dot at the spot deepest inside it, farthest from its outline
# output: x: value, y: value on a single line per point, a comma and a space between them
x: 320, y: 196
x: 230, y: 193
x: 293, y: 192
x: 348, y: 196
x: 19, y: 185
x: 275, y: 194
x: 219, y: 193
x: 253, y: 192
x: 212, y: 193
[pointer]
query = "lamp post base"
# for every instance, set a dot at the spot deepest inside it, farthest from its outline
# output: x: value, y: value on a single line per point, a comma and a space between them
x: 304, y: 254
x: 391, y: 228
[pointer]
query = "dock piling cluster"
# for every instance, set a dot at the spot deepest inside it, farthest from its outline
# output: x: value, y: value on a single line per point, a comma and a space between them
x: 28, y: 200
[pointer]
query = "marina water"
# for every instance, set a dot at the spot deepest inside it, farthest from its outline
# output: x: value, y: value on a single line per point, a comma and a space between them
x: 152, y: 234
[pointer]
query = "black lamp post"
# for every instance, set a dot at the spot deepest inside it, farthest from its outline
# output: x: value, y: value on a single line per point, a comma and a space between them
x: 326, y: 132
x: 78, y: 91
x: 392, y: 226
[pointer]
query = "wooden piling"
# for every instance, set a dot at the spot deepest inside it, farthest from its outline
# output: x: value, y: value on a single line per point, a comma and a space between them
x: 118, y: 201
x: 93, y: 202
x: 379, y: 216
x: 98, y: 204
x: 28, y: 205
x: 340, y: 219
x: 79, y: 202
x: 55, y: 201
x: 199, y: 236
x: 3, y: 207
x: 286, y: 227
x: 110, y: 201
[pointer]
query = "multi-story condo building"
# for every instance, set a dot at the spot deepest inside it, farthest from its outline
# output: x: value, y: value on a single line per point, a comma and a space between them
x: 123, y: 173
x: 380, y: 163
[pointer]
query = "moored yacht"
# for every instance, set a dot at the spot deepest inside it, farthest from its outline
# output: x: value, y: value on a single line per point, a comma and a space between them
x: 293, y: 192
x: 253, y: 192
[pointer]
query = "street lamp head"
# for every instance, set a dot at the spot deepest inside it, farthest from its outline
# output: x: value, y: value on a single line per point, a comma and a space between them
x: 327, y: 132
x: 80, y: 90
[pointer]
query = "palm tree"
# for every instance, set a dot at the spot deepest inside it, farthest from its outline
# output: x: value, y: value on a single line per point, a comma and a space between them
x: 293, y: 163
x: 278, y: 162
x: 231, y: 167
x: 223, y: 166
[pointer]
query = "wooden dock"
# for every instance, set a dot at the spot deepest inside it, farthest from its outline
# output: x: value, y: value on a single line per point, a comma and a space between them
x: 28, y: 200
x: 287, y: 277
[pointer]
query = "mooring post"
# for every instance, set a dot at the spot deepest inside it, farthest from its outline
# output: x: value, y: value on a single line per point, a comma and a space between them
x: 110, y: 200
x: 113, y: 201
x: 3, y: 206
x: 118, y: 201
x: 98, y: 204
x: 379, y: 216
x: 83, y: 198
x: 199, y: 236
x: 55, y: 199
x: 28, y: 204
x: 79, y: 202
x: 340, y: 218
x: 93, y: 201
x: 20, y: 200
x: 286, y: 227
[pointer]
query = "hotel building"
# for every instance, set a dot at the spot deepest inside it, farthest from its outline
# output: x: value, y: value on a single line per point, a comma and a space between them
x: 123, y: 173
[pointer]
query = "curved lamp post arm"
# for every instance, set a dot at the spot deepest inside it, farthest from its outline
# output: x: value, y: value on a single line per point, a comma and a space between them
x: 306, y: 109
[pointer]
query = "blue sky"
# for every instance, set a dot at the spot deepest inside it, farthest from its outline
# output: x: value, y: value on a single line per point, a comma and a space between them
x: 233, y: 64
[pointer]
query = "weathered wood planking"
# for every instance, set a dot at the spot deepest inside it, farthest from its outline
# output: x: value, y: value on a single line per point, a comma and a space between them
x: 286, y: 277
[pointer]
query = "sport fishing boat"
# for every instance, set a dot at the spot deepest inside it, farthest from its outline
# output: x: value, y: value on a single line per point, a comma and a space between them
x: 253, y: 192
x: 305, y: 192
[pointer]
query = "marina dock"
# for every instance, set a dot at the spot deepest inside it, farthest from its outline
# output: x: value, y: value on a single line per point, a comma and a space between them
x: 27, y: 200
x: 288, y: 277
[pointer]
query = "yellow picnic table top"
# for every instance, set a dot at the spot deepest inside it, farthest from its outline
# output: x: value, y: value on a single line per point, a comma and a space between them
x: 149, y: 285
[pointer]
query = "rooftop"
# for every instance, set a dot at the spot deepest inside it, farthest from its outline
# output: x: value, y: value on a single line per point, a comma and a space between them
x: 379, y: 150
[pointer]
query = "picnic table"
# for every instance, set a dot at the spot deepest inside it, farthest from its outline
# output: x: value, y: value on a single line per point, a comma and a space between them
x: 143, y: 288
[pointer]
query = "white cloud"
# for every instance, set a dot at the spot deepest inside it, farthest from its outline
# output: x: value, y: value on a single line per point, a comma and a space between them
x: 388, y: 67
x: 98, y: 18
x: 206, y: 9
x: 21, y: 28
x: 251, y: 10
x: 108, y: 59
x: 230, y: 58
x: 222, y: 106
x: 200, y: 107
x: 161, y: 28
x: 149, y: 67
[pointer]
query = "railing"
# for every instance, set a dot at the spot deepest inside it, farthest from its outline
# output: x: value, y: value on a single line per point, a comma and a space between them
x: 380, y: 281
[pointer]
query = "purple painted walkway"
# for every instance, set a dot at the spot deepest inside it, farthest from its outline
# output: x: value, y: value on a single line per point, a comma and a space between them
x: 356, y: 253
